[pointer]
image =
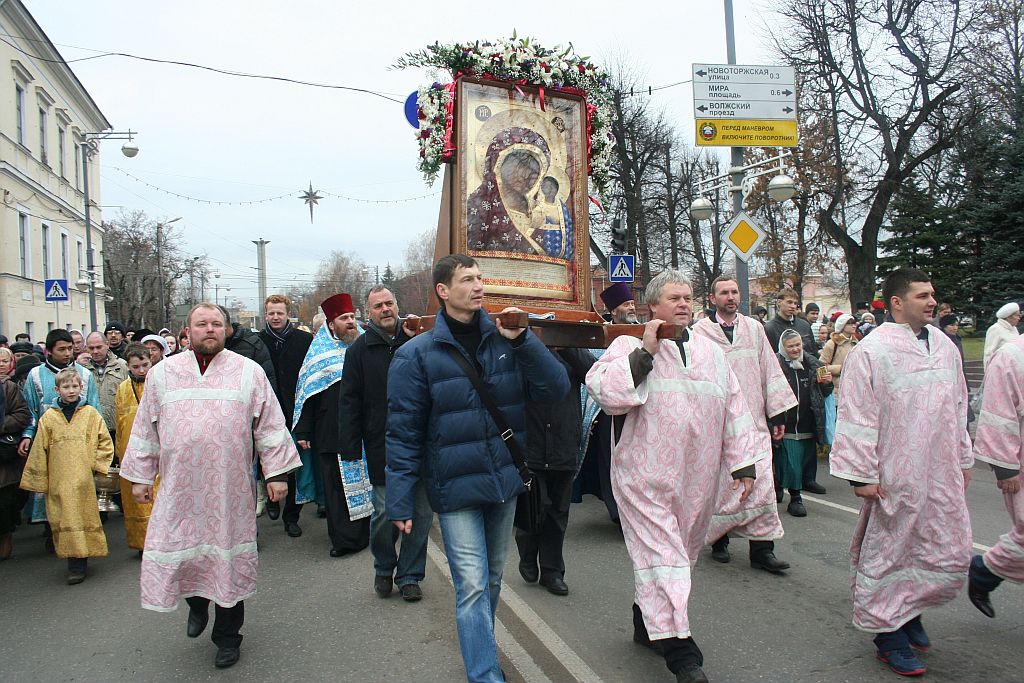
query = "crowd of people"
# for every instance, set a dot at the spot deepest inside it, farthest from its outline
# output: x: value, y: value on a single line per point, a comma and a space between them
x: 386, y: 422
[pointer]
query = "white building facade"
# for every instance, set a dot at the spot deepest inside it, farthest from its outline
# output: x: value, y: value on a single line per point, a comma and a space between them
x: 44, y: 113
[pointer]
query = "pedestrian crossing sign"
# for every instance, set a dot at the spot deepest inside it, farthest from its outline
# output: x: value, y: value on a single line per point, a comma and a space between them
x: 56, y: 290
x: 620, y: 268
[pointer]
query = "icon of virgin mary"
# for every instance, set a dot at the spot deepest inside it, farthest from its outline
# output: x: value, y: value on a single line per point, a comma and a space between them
x: 517, y: 206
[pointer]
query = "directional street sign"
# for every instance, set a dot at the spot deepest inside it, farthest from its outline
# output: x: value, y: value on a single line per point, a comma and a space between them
x: 744, y: 106
x: 56, y: 290
x: 620, y: 268
x: 744, y: 236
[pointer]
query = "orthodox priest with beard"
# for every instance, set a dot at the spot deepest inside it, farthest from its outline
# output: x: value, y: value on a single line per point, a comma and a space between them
x: 200, y: 419
x: 347, y: 488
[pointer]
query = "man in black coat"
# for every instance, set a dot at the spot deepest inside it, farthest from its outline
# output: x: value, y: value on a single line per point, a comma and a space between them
x: 287, y: 347
x: 552, y: 452
x: 362, y: 416
x: 788, y: 303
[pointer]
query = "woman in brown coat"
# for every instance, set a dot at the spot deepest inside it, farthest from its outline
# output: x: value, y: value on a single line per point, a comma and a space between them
x: 14, y: 417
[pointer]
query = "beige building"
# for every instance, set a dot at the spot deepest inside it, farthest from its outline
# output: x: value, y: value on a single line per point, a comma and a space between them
x: 44, y: 112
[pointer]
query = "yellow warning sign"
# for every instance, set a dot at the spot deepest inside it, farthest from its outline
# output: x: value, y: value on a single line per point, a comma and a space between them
x: 746, y: 133
x: 744, y: 236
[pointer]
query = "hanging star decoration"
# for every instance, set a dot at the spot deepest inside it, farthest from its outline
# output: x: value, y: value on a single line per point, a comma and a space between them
x: 311, y: 197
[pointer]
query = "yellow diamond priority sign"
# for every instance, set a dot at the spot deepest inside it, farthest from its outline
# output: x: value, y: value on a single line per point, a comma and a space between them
x: 744, y: 236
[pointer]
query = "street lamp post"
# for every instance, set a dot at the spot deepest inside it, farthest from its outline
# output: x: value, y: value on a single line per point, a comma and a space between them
x: 90, y: 146
x: 739, y: 182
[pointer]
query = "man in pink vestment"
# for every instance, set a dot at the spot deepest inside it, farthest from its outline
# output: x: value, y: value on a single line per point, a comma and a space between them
x: 685, y: 421
x: 768, y: 395
x: 201, y: 414
x: 901, y: 440
x: 1000, y: 443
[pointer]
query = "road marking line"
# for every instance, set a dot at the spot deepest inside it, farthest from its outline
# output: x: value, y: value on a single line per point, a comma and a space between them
x: 847, y: 508
x: 515, y: 652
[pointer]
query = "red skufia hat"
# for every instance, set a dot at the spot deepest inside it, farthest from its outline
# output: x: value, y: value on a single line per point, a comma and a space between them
x: 835, y: 316
x: 877, y: 305
x: 339, y: 304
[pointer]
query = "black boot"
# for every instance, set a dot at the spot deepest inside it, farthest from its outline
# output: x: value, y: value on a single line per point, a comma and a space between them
x: 640, y: 636
x: 720, y: 550
x: 762, y: 556
x: 980, y: 583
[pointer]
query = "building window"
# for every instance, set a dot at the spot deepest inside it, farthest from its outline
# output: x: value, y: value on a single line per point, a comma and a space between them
x: 30, y: 330
x: 23, y: 245
x: 61, y: 153
x: 64, y: 255
x: 78, y: 166
x: 43, y: 155
x: 46, y: 251
x: 81, y: 258
x: 19, y: 105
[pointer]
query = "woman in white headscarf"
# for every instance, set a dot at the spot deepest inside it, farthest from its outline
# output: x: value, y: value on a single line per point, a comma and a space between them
x: 1003, y: 330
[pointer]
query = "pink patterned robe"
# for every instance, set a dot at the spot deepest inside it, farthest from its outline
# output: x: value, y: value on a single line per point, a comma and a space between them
x: 684, y: 424
x: 1000, y: 442
x: 768, y: 394
x: 902, y: 423
x: 197, y: 432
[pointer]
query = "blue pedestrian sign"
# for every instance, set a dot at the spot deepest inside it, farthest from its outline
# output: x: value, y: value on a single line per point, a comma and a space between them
x: 56, y: 290
x: 620, y: 268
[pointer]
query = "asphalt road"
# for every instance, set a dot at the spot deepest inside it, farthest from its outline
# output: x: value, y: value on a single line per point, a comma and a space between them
x: 316, y: 618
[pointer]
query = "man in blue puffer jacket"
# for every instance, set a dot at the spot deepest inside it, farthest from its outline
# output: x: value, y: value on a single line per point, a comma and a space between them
x: 439, y: 431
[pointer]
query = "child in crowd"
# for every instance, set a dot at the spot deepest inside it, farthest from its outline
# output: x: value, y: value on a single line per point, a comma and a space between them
x: 71, y: 443
x: 126, y: 403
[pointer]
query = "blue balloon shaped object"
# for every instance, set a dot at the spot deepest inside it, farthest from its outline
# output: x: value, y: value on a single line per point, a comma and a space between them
x: 412, y: 109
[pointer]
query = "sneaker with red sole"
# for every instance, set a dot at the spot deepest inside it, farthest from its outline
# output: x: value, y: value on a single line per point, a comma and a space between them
x: 903, y: 661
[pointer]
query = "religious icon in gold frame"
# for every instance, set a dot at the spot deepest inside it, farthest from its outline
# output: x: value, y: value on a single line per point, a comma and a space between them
x: 521, y: 192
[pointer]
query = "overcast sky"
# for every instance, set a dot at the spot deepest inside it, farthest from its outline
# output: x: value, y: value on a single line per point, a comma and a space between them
x: 224, y: 138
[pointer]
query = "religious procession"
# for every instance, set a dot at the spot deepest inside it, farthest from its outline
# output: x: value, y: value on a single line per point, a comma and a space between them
x: 560, y: 443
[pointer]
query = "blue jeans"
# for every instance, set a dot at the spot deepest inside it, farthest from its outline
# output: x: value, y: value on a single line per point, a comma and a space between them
x: 476, y: 541
x: 411, y: 561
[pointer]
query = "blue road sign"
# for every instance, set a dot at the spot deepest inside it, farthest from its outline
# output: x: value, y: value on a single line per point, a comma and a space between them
x: 56, y: 290
x: 620, y: 268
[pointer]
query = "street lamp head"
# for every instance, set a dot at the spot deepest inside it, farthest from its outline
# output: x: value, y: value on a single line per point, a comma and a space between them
x: 129, y: 149
x: 82, y: 284
x: 781, y: 188
x: 701, y: 209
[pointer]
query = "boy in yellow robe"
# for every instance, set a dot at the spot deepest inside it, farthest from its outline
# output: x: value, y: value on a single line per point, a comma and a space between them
x: 71, y: 443
x: 126, y: 404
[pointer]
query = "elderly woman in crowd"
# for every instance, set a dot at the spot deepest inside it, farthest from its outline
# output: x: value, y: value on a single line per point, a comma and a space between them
x: 7, y: 362
x: 157, y: 347
x: 833, y: 355
x: 805, y: 424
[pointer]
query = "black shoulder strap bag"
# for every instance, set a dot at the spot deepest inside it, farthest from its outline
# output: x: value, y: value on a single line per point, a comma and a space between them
x: 529, y: 506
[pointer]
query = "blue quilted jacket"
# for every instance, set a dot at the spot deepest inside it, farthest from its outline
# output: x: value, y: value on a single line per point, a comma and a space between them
x: 438, y: 429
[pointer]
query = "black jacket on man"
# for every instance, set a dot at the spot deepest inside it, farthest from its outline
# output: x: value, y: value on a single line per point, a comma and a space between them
x: 777, y: 325
x: 363, y: 404
x: 287, y: 357
x: 553, y: 429
x: 245, y: 342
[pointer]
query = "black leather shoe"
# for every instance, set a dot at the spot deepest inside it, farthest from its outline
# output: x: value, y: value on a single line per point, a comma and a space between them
x: 292, y: 529
x: 226, y: 657
x: 383, y: 585
x: 720, y: 551
x: 411, y: 592
x: 979, y: 597
x: 796, y: 508
x: 273, y: 510
x: 555, y: 585
x: 693, y: 674
x: 338, y: 553
x: 814, y: 487
x: 529, y: 571
x: 196, y: 623
x: 769, y: 563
